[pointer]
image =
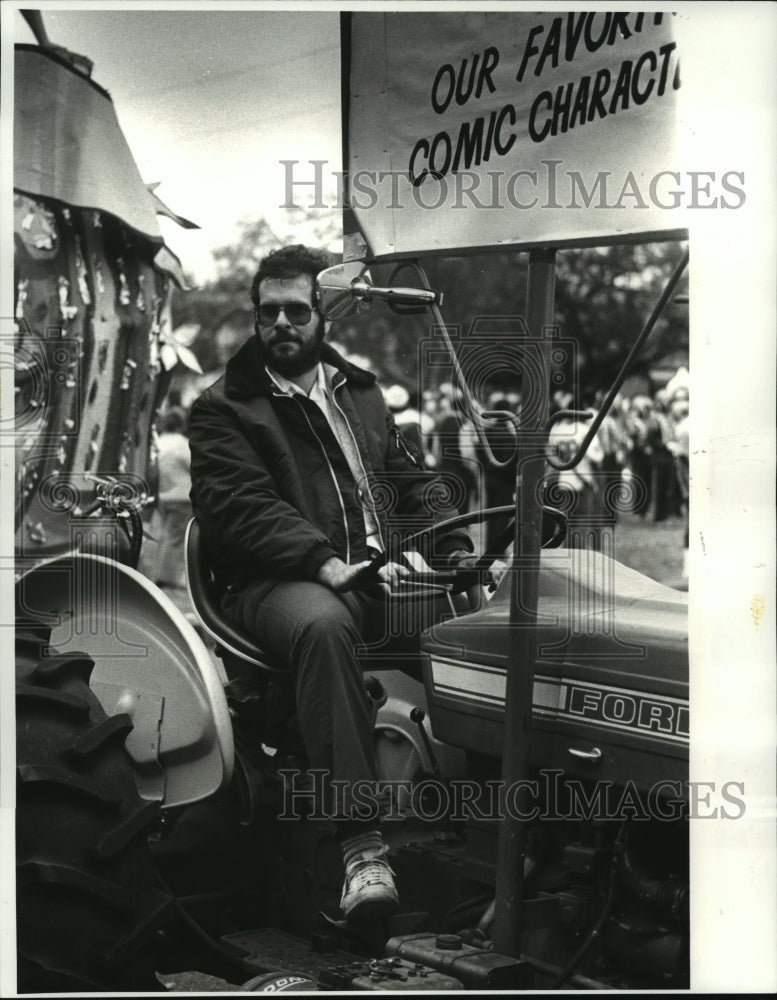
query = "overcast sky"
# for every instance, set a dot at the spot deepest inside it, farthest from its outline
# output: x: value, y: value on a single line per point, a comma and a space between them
x: 210, y: 101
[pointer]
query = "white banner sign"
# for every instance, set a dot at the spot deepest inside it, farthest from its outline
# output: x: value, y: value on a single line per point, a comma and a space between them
x: 486, y: 130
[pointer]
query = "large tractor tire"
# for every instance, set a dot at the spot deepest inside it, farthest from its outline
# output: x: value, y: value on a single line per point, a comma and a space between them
x: 88, y: 910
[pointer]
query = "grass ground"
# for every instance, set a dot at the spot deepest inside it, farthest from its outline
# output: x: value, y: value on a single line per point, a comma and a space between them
x: 655, y: 549
x: 652, y: 548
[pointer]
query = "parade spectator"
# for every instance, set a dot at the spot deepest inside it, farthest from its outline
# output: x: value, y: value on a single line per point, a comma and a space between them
x: 639, y: 465
x: 581, y: 481
x: 428, y: 427
x: 679, y: 446
x: 450, y: 460
x: 679, y: 413
x: 613, y: 441
x: 174, y: 508
x: 663, y: 483
x: 498, y: 480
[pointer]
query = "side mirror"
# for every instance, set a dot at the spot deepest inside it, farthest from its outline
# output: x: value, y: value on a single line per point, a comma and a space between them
x: 340, y: 290
x: 346, y: 289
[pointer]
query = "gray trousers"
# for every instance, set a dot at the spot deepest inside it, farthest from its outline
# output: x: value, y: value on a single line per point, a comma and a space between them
x: 328, y: 640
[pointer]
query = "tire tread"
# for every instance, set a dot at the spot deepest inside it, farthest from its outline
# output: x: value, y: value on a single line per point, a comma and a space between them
x: 88, y: 905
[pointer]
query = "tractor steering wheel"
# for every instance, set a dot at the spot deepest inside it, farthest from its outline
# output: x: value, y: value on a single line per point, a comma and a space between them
x: 460, y: 578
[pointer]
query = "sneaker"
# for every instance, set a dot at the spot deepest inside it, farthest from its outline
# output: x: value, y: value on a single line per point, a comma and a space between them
x: 369, y: 890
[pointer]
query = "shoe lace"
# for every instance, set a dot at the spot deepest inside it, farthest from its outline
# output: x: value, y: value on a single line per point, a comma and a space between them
x: 375, y: 872
x: 371, y: 871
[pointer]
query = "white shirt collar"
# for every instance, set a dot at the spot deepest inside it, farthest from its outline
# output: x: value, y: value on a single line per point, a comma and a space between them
x: 285, y: 385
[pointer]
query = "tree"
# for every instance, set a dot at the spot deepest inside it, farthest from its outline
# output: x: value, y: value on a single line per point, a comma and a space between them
x: 238, y: 262
x: 603, y: 296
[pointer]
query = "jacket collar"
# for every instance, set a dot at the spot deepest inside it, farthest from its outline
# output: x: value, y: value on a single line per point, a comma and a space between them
x: 245, y: 376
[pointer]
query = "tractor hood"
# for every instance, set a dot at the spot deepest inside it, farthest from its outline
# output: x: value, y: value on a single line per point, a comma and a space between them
x: 610, y: 670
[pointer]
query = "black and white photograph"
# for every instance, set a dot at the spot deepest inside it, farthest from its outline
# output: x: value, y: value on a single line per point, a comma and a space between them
x: 387, y: 535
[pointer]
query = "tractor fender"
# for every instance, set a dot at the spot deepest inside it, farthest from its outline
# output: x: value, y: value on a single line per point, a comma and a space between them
x: 149, y: 663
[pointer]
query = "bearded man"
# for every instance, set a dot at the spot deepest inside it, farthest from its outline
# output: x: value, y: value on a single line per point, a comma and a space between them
x: 285, y: 448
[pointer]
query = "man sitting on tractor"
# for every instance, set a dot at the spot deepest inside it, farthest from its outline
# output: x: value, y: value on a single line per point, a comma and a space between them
x: 284, y: 450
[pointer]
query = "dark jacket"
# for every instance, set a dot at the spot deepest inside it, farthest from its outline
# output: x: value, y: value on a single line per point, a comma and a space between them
x: 271, y: 488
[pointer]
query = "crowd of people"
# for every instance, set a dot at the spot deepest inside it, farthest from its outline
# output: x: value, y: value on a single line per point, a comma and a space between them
x: 642, y: 445
x: 637, y: 461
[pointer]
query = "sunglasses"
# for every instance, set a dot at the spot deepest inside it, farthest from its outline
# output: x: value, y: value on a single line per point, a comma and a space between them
x: 295, y: 313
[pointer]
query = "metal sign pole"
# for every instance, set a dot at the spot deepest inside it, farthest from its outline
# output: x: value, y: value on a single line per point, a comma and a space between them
x: 516, y: 753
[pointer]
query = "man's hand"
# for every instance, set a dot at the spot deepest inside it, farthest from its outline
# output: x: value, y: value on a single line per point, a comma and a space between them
x: 339, y: 575
x: 392, y: 574
x: 496, y: 573
x: 466, y: 560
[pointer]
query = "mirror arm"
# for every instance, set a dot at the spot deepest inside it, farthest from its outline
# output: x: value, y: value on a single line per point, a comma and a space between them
x: 366, y: 291
x: 471, y: 405
x: 361, y: 290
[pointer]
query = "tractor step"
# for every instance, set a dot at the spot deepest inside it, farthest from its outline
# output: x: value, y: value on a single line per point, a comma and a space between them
x: 274, y: 951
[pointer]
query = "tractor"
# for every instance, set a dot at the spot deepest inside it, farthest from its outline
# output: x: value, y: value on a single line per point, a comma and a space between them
x: 534, y: 760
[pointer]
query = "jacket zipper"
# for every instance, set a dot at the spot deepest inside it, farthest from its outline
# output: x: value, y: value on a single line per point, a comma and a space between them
x: 401, y: 444
x: 359, y: 456
x: 334, y: 480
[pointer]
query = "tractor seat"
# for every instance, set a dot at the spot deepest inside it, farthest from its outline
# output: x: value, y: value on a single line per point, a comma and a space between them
x: 205, y: 597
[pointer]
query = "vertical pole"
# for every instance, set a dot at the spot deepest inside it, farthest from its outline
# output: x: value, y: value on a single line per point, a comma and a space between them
x: 516, y: 752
